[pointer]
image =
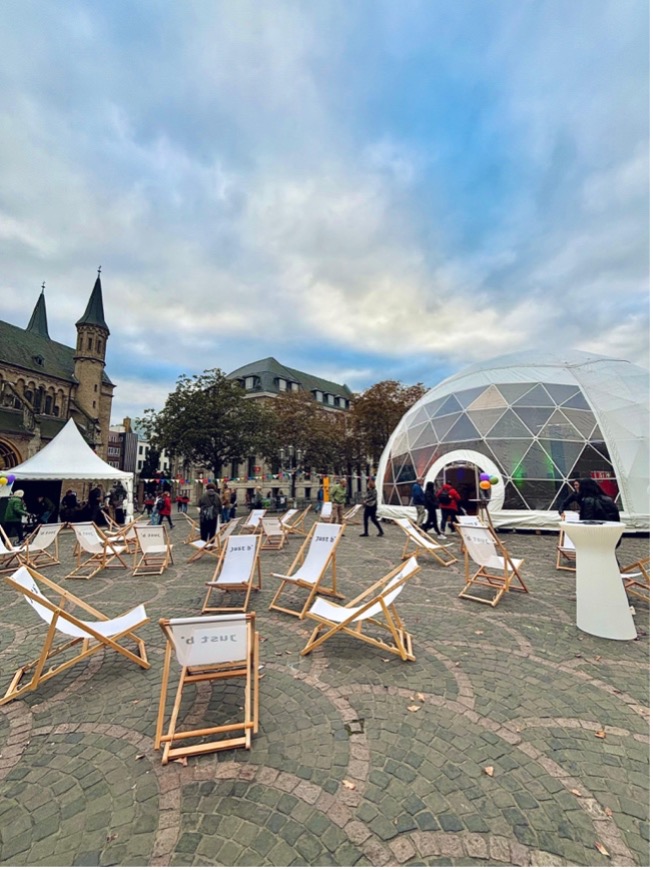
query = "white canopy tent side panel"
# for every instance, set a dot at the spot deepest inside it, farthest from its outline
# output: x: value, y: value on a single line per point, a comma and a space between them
x: 69, y: 457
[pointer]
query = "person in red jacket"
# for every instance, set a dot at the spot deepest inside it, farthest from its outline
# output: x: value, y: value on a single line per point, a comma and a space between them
x: 449, y: 501
x: 166, y: 509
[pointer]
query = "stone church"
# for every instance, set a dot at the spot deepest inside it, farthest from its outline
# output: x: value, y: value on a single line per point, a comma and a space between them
x: 44, y: 383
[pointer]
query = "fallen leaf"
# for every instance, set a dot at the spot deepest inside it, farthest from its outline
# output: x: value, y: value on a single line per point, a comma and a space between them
x: 183, y: 761
x: 576, y: 792
x: 278, y: 654
x: 478, y: 632
x: 600, y: 734
x: 139, y: 757
x: 112, y: 837
x: 421, y: 696
x: 602, y: 849
x: 489, y: 771
x: 456, y: 664
x: 579, y: 655
x: 414, y: 708
x: 288, y: 652
x: 608, y: 812
x: 597, y: 658
x: 349, y: 784
x: 385, y: 660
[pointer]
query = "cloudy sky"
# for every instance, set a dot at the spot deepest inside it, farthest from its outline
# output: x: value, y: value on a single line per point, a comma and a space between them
x: 363, y: 190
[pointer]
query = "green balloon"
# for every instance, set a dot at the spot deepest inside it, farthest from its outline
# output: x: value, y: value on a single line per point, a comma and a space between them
x: 494, y: 480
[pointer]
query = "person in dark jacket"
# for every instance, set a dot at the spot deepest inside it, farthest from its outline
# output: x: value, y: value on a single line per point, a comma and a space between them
x: 209, y: 505
x: 595, y: 504
x: 369, y: 509
x: 449, y: 500
x: 46, y: 508
x: 572, y: 498
x: 431, y: 504
x: 417, y: 496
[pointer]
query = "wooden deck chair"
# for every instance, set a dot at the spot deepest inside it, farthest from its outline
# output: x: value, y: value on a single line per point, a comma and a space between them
x: 374, y: 607
x: 113, y: 529
x: 496, y: 567
x: 154, y: 552
x: 253, y: 522
x: 42, y: 547
x: 637, y: 576
x: 326, y: 512
x: 213, y: 547
x: 566, y: 550
x: 193, y: 531
x: 102, y: 552
x: 235, y: 572
x: 273, y: 534
x: 210, y: 648
x: 351, y: 518
x: 9, y: 555
x: 102, y: 633
x: 418, y: 543
x: 294, y: 522
x: 311, y: 563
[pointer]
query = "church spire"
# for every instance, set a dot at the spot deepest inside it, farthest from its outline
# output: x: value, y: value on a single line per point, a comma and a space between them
x: 38, y: 323
x: 94, y: 314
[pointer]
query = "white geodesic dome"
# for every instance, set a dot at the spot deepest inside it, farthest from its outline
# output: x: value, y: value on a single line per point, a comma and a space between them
x: 536, y: 420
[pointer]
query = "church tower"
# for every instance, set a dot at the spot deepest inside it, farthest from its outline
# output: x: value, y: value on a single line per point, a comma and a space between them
x: 94, y: 390
x: 38, y: 323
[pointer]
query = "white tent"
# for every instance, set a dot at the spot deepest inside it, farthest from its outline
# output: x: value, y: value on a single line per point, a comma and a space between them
x: 69, y: 457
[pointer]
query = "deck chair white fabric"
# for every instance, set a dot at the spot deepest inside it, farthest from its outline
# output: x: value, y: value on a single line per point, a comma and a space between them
x: 418, y: 543
x: 273, y: 534
x: 293, y: 521
x: 213, y: 547
x: 9, y: 554
x: 210, y: 649
x: 373, y: 608
x: 99, y: 549
x: 310, y: 565
x: 253, y: 521
x: 496, y: 570
x: 566, y: 549
x: 326, y: 511
x: 351, y: 517
x: 42, y: 546
x: 154, y: 552
x: 236, y: 570
x: 102, y: 633
x: 637, y: 578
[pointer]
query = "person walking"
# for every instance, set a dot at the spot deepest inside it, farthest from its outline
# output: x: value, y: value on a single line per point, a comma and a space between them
x: 449, y: 500
x: 117, y: 497
x: 338, y: 499
x: 165, y: 510
x: 15, y: 511
x: 369, y: 509
x: 417, y: 494
x: 430, y: 505
x: 225, y: 500
x: 209, y: 505
x: 46, y: 509
x: 320, y: 500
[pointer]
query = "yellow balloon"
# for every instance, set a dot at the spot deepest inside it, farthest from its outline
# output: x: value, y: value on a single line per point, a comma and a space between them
x: 3, y: 481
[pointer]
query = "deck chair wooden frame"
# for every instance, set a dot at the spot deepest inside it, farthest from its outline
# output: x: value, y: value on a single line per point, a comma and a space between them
x: 213, y: 547
x: 9, y: 555
x: 272, y: 533
x: 310, y: 566
x: 92, y: 637
x: 154, y: 552
x: 295, y: 525
x: 41, y: 548
x: 252, y: 524
x: 236, y: 571
x: 351, y: 517
x: 103, y: 552
x: 209, y: 649
x: 636, y: 577
x: 194, y: 530
x: 565, y: 549
x: 375, y: 607
x: 418, y: 543
x: 497, y: 570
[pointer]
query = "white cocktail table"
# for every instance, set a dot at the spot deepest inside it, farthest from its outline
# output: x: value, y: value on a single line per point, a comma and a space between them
x: 602, y: 605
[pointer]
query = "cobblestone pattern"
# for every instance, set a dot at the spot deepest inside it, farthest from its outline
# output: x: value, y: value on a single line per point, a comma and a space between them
x: 342, y: 772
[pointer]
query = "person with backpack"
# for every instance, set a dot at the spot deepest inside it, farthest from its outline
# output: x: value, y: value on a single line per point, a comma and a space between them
x: 417, y: 494
x: 449, y: 500
x: 431, y: 503
x: 209, y: 505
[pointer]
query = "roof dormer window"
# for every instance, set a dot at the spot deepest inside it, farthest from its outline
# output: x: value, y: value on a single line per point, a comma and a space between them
x: 282, y: 385
x: 38, y: 359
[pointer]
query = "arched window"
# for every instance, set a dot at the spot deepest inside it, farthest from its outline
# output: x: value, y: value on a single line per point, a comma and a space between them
x: 48, y: 404
x: 89, y: 344
x: 8, y: 456
x: 98, y: 345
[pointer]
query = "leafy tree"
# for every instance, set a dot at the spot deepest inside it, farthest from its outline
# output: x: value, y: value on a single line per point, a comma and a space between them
x: 378, y: 410
x: 208, y: 421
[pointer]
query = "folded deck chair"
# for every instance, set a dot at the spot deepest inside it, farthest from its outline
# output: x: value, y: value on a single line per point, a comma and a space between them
x: 636, y: 577
x: 253, y: 521
x: 9, y: 555
x: 496, y: 567
x: 293, y: 521
x: 41, y: 548
x: 566, y: 550
x: 326, y: 511
x: 101, y: 552
x: 419, y: 543
x: 235, y: 572
x: 213, y: 547
x: 154, y: 552
x: 209, y: 649
x: 351, y: 517
x: 193, y: 531
x: 373, y: 608
x: 307, y: 571
x: 273, y: 534
x: 102, y: 633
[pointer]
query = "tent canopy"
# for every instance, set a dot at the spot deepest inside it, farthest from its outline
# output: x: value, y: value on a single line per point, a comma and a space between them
x: 68, y: 457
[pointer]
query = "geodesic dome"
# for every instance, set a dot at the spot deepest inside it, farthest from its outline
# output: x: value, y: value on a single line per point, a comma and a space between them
x: 535, y: 420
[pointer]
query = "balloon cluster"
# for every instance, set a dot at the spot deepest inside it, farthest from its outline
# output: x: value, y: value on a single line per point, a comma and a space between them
x: 487, y: 481
x: 8, y: 479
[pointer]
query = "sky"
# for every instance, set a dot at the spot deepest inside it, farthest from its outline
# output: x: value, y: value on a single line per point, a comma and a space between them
x: 365, y: 191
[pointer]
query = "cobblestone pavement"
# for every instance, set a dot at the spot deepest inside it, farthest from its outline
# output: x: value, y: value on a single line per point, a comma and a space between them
x: 342, y: 772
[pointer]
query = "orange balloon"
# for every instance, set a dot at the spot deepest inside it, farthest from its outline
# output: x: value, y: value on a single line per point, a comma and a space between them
x: 485, y: 484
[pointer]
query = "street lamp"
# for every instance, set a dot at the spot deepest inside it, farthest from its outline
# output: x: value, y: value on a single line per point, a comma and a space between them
x: 291, y: 458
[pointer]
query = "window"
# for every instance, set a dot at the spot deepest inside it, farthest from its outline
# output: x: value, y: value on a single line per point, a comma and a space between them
x: 89, y: 344
x: 29, y: 395
x: 282, y: 385
x: 98, y: 345
x: 56, y: 410
x: 249, y: 382
x: 140, y: 450
x: 319, y: 396
x: 93, y: 403
x: 48, y: 404
x: 95, y: 388
x: 294, y: 387
x: 329, y: 399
